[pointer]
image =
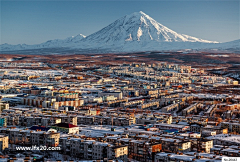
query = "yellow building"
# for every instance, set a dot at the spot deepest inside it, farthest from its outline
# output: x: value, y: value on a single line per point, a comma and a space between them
x: 117, y: 152
x: 3, y: 142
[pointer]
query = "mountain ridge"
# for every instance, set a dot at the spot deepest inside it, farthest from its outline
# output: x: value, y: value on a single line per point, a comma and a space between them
x: 133, y: 32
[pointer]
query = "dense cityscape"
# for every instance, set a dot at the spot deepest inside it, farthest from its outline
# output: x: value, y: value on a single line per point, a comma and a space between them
x: 143, y: 111
x: 119, y: 81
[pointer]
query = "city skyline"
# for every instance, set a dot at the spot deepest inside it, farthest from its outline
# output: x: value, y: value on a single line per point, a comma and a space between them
x: 36, y: 22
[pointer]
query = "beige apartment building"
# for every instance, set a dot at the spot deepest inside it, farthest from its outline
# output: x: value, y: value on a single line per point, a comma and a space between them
x: 44, y: 138
x: 118, y: 152
x: 69, y: 119
x: 94, y: 150
x: 3, y: 142
x: 206, y: 145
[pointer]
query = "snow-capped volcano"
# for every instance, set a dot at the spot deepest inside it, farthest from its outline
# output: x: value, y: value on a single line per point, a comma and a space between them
x: 138, y: 26
x: 134, y: 32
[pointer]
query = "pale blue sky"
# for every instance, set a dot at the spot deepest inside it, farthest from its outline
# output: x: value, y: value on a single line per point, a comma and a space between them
x: 33, y: 22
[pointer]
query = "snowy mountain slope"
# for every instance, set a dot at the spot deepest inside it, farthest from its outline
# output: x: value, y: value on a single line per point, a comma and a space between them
x: 134, y: 32
x: 228, y: 45
x: 49, y: 44
x: 137, y: 27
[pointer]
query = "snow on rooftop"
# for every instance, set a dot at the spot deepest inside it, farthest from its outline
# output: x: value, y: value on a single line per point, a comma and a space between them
x: 226, y: 137
x: 96, y: 131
